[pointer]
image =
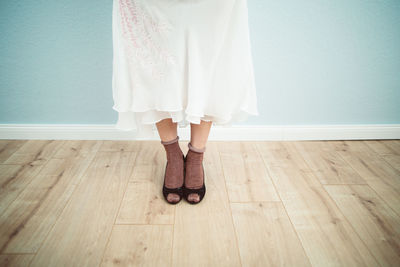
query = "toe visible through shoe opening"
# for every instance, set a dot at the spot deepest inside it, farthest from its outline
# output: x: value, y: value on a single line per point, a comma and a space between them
x: 171, y: 197
x: 194, y: 197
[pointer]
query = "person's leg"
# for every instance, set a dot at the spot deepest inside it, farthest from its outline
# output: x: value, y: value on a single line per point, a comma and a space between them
x: 194, y: 158
x: 199, y: 133
x: 174, y: 171
x: 167, y: 129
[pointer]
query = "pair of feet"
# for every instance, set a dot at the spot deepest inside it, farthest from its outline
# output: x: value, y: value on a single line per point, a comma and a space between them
x: 184, y: 172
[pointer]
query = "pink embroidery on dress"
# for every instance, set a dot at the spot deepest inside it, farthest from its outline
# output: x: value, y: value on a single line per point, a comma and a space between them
x: 143, y: 36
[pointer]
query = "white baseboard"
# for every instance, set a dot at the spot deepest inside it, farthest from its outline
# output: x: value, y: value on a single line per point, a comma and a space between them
x: 244, y: 133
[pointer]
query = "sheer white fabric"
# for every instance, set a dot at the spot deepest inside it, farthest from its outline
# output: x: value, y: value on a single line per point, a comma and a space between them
x: 188, y: 60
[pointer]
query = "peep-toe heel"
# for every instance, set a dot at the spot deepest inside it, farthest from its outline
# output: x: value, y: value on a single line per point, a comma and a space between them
x: 200, y: 191
x: 178, y: 190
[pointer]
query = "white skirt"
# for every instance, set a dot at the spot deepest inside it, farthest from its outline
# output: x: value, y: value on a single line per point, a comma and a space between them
x: 188, y: 60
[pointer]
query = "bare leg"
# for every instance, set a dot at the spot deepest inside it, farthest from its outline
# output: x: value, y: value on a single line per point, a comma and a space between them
x: 174, y: 172
x: 199, y: 133
x: 167, y: 129
x: 198, y: 139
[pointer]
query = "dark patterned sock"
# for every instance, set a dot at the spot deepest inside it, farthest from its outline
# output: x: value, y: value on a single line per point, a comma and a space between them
x: 175, y: 166
x: 194, y: 170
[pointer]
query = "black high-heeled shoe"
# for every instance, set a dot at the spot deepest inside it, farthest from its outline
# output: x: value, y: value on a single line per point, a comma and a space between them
x: 178, y: 190
x: 200, y: 191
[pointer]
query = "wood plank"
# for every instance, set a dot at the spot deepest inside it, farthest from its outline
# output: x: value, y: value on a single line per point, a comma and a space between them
x: 151, y: 157
x: 13, y: 180
x: 22, y: 166
x: 203, y: 233
x: 121, y: 145
x: 389, y: 150
x: 377, y: 172
x: 325, y: 234
x: 139, y: 245
x: 76, y: 156
x: 384, y: 147
x: 271, y: 239
x: 376, y: 224
x: 8, y: 147
x: 77, y: 148
x: 27, y: 221
x: 35, y: 152
x: 144, y: 203
x: 326, y: 164
x: 85, y: 224
x: 246, y: 176
x: 15, y: 260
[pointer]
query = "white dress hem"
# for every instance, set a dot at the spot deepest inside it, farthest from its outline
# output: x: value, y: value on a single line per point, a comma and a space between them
x: 143, y: 122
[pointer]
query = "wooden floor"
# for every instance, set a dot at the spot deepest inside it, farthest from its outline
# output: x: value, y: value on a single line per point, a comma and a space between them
x: 99, y: 203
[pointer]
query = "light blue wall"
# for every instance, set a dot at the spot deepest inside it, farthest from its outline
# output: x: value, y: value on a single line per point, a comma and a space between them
x: 316, y: 62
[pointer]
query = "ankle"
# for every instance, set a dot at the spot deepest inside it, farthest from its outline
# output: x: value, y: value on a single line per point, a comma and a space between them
x: 173, y: 149
x: 168, y: 142
x: 196, y: 149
